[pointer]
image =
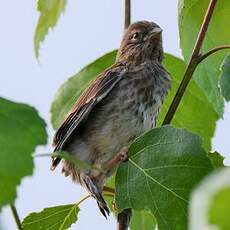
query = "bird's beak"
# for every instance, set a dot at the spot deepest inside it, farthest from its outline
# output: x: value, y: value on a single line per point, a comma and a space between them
x: 155, y: 33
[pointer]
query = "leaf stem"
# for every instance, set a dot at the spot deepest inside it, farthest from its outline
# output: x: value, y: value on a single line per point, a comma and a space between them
x: 127, y: 13
x: 83, y: 199
x: 16, y: 216
x: 108, y: 189
x: 212, y: 51
x: 192, y: 64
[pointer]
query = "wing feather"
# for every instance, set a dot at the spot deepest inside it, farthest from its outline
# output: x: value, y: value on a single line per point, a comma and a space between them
x: 97, y: 90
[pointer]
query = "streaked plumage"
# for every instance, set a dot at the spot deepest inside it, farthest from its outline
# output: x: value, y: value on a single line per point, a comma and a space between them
x: 121, y: 104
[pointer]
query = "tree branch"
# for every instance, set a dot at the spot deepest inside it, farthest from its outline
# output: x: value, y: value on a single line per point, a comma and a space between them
x: 204, y: 28
x: 124, y: 217
x: 212, y: 51
x: 127, y: 13
x: 108, y: 189
x: 16, y: 216
x: 193, y: 62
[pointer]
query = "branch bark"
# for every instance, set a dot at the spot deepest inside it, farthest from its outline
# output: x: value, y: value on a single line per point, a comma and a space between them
x: 124, y: 217
x: 212, y: 51
x: 193, y: 62
x: 16, y: 216
x: 127, y: 13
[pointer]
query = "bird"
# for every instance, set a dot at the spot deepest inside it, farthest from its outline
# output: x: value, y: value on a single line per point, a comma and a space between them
x: 122, y: 103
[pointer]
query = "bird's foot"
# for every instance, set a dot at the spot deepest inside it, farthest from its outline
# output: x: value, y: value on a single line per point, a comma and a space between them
x: 119, y: 157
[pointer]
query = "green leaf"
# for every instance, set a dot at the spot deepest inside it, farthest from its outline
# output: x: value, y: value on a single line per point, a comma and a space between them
x: 21, y: 131
x: 220, y: 208
x: 216, y: 159
x: 164, y: 165
x: 210, y: 202
x: 72, y: 88
x: 191, y: 14
x: 195, y: 113
x: 142, y: 220
x: 50, y: 11
x: 225, y: 78
x: 55, y: 218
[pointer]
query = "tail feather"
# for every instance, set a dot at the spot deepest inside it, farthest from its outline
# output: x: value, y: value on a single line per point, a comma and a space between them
x: 55, y: 162
x: 96, y: 193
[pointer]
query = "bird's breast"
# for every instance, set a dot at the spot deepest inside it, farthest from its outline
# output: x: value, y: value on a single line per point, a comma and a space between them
x: 127, y: 112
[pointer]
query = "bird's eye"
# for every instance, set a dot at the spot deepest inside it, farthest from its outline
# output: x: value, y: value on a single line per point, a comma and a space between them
x: 135, y: 36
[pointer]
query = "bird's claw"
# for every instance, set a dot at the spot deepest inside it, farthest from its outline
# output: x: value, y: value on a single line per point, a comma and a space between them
x: 119, y: 157
x: 123, y: 154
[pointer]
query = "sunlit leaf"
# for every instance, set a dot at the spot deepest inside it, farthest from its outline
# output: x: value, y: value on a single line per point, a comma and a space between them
x: 195, y: 113
x: 191, y: 14
x: 210, y: 202
x: 216, y: 159
x: 50, y: 11
x: 72, y: 88
x: 55, y: 218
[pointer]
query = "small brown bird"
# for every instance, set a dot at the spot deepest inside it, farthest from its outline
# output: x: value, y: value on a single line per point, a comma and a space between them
x: 121, y: 104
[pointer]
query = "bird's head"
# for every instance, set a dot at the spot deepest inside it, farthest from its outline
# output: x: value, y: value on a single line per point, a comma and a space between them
x: 142, y: 41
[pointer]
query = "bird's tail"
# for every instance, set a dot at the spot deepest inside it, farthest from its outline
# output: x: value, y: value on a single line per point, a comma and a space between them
x: 96, y: 193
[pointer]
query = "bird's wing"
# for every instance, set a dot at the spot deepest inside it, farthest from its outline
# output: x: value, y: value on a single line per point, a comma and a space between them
x: 97, y: 90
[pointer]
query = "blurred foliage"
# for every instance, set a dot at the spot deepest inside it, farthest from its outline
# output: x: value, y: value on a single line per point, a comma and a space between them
x: 50, y: 11
x: 210, y: 202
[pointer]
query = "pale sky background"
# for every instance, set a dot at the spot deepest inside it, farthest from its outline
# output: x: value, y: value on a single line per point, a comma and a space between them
x: 86, y: 30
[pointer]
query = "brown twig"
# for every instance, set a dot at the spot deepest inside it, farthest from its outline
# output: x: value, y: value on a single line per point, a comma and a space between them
x: 123, y: 218
x: 127, y: 13
x: 212, y: 51
x: 193, y: 62
x: 16, y: 216
x: 108, y: 189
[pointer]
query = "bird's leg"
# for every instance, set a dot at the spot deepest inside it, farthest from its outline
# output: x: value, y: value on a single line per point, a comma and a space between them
x: 119, y: 157
x: 96, y: 178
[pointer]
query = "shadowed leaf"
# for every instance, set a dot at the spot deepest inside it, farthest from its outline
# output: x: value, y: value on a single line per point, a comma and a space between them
x: 21, y: 130
x: 142, y: 220
x: 225, y: 78
x: 164, y: 166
